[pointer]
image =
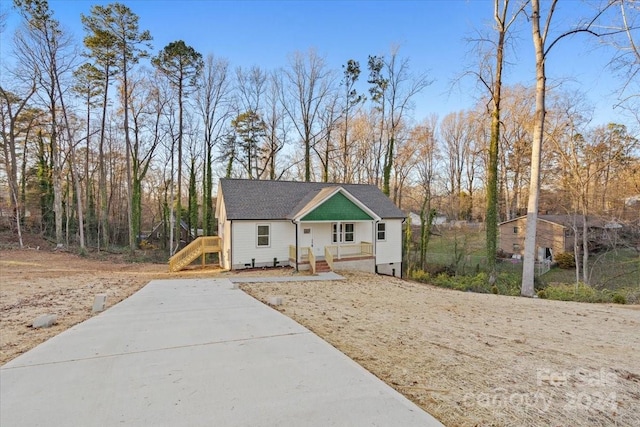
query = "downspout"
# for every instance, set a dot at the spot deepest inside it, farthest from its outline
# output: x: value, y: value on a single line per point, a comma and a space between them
x: 231, y: 244
x: 403, y: 246
x: 296, y: 225
x: 374, y: 236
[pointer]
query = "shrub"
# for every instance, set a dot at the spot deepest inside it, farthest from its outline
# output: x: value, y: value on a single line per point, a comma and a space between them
x: 566, y: 260
x: 572, y: 292
x: 619, y: 299
x: 420, y: 276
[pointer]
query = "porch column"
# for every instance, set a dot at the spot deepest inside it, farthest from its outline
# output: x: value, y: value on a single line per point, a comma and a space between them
x: 338, y: 238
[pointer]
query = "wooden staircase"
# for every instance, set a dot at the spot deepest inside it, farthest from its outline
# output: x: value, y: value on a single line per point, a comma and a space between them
x: 322, y: 267
x: 199, y: 247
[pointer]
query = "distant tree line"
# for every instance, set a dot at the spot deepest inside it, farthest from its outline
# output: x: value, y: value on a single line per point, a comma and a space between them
x: 108, y: 139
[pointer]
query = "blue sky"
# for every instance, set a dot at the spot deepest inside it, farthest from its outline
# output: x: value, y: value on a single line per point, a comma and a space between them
x: 433, y: 34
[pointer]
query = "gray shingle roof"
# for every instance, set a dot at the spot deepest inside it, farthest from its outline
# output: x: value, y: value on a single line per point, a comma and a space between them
x: 263, y: 200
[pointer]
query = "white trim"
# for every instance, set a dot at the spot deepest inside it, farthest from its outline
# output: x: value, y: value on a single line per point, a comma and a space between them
x: 317, y: 201
x: 378, y: 224
x: 338, y: 229
x: 258, y: 245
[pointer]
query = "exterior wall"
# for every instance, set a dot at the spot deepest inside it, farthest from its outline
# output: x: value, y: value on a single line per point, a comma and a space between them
x: 551, y: 235
x: 390, y: 269
x: 389, y: 251
x: 548, y: 235
x: 245, y: 246
x: 508, y: 238
x: 224, y: 231
x: 366, y: 265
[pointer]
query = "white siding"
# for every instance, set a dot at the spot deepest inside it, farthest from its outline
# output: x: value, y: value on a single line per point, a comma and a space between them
x: 224, y: 231
x: 363, y: 232
x: 390, y: 250
x: 245, y: 244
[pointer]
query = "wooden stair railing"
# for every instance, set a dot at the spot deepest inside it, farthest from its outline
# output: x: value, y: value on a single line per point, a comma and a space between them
x: 199, y: 247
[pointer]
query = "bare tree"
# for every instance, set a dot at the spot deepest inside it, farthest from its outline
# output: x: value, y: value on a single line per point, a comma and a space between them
x: 542, y: 46
x: 457, y: 132
x: 11, y: 107
x: 214, y: 105
x: 308, y: 85
x: 277, y: 127
x: 491, y: 77
x: 424, y: 136
x: 44, y: 49
x: 393, y: 89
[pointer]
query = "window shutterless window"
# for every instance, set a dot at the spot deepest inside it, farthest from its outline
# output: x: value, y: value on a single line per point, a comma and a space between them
x: 349, y: 232
x: 343, y: 233
x: 382, y: 231
x: 264, y: 234
x: 335, y: 234
x: 515, y: 230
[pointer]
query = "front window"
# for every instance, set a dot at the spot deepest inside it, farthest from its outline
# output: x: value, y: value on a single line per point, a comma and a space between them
x: 343, y: 232
x: 264, y: 239
x: 382, y: 231
x: 515, y: 230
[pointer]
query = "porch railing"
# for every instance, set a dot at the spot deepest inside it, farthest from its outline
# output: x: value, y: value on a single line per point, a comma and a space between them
x: 350, y: 250
x: 312, y: 260
x: 200, y: 247
x: 332, y: 253
x: 328, y: 257
x: 304, y: 253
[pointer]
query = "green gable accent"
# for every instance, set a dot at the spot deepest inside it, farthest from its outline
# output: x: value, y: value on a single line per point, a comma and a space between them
x: 337, y: 208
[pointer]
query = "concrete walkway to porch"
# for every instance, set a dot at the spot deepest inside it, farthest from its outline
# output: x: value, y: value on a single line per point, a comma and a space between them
x: 265, y: 279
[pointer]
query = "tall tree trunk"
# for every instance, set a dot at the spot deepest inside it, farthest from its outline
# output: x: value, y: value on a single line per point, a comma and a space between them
x: 528, y: 265
x: 103, y: 206
x: 388, y: 165
x: 492, y: 168
x: 78, y: 191
x: 178, y: 214
x: 585, y: 248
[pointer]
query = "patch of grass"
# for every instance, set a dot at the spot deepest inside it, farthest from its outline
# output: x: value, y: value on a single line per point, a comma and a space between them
x: 581, y: 293
x: 610, y: 270
x: 505, y: 284
x: 456, y: 259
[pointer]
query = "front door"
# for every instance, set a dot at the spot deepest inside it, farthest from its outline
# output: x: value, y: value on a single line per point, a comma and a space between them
x: 307, y: 241
x: 306, y: 237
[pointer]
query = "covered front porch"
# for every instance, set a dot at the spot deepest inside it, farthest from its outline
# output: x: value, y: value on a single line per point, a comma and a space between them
x: 355, y: 256
x: 336, y: 229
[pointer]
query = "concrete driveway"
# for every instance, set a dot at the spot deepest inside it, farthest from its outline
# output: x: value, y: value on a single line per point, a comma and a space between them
x: 195, y: 353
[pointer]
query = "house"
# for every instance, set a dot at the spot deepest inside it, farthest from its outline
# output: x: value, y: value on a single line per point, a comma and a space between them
x: 554, y: 234
x: 275, y: 223
x: 439, y: 219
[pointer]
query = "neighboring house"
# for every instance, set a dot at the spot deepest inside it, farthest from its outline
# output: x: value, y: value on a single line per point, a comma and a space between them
x: 554, y: 234
x: 274, y: 223
x: 417, y: 222
x: 157, y: 234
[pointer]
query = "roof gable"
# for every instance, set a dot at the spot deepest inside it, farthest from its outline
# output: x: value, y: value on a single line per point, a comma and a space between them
x: 335, y: 207
x: 282, y: 200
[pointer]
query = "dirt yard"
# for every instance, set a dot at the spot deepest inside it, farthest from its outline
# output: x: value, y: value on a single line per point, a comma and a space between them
x: 468, y: 359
